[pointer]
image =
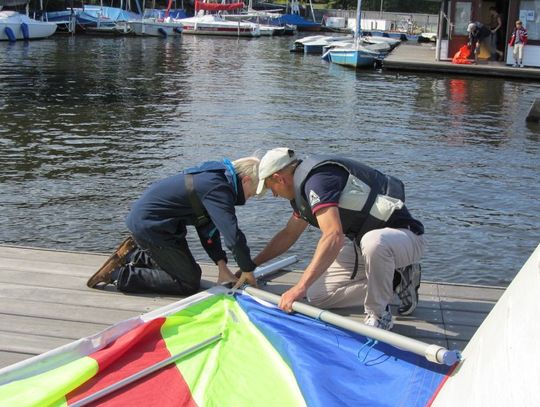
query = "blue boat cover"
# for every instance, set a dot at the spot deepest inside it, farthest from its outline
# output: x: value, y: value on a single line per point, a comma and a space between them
x: 295, y: 19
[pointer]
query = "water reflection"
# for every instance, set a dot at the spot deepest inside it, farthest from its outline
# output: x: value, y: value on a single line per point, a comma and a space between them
x: 87, y: 123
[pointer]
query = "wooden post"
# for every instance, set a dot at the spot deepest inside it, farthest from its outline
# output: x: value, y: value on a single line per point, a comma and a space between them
x: 534, y: 113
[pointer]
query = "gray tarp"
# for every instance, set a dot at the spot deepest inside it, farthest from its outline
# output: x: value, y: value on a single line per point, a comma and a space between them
x: 11, y: 3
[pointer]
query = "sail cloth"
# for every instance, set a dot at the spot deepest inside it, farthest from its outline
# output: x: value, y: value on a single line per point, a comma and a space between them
x: 265, y: 357
x: 199, y: 5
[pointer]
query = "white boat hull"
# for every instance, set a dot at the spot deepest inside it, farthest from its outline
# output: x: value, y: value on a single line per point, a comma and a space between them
x: 12, y: 23
x: 210, y: 25
x: 155, y: 28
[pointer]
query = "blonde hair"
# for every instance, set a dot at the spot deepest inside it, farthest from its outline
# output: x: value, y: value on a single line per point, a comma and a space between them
x: 248, y: 166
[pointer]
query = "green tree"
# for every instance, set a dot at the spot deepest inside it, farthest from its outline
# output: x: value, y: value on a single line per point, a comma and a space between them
x: 401, y: 6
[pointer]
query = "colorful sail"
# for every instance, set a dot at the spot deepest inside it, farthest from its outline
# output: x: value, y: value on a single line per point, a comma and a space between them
x: 265, y: 358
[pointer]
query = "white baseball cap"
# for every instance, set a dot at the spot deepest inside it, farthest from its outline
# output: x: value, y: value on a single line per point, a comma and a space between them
x: 273, y: 161
x: 471, y: 27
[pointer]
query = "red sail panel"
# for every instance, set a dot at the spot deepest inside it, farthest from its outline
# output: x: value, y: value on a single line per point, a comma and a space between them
x: 140, y: 348
x: 199, y: 5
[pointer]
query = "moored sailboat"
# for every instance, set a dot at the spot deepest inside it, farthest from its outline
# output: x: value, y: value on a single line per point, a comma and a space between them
x: 15, y: 26
x: 204, y: 23
x: 355, y: 55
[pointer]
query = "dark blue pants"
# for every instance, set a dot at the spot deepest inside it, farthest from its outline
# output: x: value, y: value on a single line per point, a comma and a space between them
x: 160, y: 269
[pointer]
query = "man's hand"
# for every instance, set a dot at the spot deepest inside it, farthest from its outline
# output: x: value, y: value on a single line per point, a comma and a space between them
x: 291, y: 296
x: 246, y: 278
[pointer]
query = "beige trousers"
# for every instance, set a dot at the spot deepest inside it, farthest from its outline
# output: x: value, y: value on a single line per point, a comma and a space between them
x: 518, y: 53
x: 381, y: 251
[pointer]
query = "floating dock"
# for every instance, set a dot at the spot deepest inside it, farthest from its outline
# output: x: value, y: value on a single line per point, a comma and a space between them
x: 421, y: 58
x: 45, y: 303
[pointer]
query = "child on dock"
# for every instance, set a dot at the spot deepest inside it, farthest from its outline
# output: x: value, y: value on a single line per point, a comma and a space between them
x: 518, y: 40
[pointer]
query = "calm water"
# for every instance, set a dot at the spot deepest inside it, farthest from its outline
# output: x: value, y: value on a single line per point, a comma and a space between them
x: 87, y: 123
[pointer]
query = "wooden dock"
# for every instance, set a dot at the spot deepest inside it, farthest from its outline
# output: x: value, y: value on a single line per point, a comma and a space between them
x: 44, y: 303
x: 421, y: 58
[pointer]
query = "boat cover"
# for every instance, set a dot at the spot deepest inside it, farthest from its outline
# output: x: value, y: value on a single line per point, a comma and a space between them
x: 295, y: 19
x: 265, y: 358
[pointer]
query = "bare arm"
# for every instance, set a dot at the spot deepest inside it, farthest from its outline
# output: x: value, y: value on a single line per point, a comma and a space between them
x: 282, y: 241
x: 499, y: 24
x: 279, y: 244
x: 328, y: 248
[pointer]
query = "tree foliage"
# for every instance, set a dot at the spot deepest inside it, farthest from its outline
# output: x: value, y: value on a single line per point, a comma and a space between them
x: 401, y: 6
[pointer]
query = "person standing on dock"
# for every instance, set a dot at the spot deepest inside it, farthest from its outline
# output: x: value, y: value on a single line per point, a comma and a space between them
x: 156, y: 258
x: 518, y: 40
x: 345, y: 198
x: 478, y: 33
x: 495, y: 26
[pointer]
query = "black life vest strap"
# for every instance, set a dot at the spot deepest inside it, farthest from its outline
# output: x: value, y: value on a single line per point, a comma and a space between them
x: 355, y: 270
x: 200, y: 215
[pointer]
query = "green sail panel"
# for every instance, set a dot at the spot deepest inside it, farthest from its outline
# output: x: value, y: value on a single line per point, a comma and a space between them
x: 243, y: 369
x: 49, y: 388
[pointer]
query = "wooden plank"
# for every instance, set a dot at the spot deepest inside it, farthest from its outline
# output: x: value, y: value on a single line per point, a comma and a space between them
x: 9, y: 358
x: 464, y: 318
x: 428, y: 289
x: 460, y: 332
x: 419, y: 329
x: 52, y: 256
x: 453, y: 304
x: 289, y: 277
x: 54, y: 268
x: 43, y: 279
x: 108, y: 298
x: 65, y: 312
x: 470, y: 292
x: 67, y: 269
x: 48, y: 327
x: 28, y: 343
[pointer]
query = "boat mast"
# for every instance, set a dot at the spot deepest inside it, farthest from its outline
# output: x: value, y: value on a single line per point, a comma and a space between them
x: 312, y: 12
x: 358, y: 31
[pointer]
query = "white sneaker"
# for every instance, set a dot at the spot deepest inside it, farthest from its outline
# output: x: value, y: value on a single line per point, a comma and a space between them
x: 521, y: 65
x: 382, y: 322
x: 515, y: 65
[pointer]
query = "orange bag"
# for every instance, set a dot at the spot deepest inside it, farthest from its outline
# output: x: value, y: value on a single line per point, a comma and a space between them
x: 462, y: 56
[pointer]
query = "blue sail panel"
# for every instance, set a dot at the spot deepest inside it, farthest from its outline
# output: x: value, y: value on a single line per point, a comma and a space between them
x: 337, y: 367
